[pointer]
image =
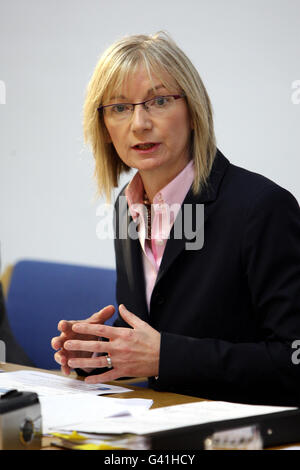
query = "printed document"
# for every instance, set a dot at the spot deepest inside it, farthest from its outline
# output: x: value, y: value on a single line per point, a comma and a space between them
x: 59, y: 411
x: 172, y: 417
x: 45, y: 384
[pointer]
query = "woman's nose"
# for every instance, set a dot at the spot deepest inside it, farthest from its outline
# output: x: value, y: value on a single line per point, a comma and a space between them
x: 140, y: 119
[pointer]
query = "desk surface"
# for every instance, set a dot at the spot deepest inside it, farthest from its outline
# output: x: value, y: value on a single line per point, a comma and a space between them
x: 159, y: 398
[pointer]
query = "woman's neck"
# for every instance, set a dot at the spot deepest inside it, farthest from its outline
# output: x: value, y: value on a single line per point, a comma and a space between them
x: 155, y: 181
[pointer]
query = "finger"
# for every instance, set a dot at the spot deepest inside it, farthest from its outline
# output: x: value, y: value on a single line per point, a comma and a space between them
x: 96, y: 330
x: 65, y: 326
x: 87, y: 362
x: 56, y: 342
x: 57, y: 357
x: 90, y: 346
x: 103, y: 315
x: 62, y: 360
x: 130, y: 318
x: 99, y: 317
x: 103, y: 378
x: 62, y: 356
x: 66, y: 369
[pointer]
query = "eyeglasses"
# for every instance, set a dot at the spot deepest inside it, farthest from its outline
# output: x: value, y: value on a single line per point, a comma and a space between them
x: 157, y: 106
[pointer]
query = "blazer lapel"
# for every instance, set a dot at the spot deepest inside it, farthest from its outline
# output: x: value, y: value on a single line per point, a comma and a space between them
x: 126, y: 232
x: 191, y: 219
x: 132, y: 256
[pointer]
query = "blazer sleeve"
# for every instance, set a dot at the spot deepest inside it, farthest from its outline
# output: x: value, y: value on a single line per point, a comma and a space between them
x: 263, y: 372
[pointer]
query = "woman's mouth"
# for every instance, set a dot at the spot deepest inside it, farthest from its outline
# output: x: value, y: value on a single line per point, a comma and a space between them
x: 146, y: 147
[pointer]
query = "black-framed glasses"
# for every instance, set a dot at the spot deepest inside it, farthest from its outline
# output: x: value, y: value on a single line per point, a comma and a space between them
x: 157, y: 106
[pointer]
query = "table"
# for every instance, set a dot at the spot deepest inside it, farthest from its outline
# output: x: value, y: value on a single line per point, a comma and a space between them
x: 159, y: 398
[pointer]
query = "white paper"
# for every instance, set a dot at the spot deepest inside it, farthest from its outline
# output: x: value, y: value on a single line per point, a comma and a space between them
x: 45, y: 384
x: 171, y: 417
x: 64, y: 410
x: 290, y: 448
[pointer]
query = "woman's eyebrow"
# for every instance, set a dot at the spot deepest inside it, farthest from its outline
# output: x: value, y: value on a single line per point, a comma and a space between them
x: 151, y: 90
x: 155, y: 88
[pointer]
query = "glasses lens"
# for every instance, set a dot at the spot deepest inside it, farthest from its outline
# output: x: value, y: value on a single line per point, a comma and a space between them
x: 118, y: 111
x: 160, y: 104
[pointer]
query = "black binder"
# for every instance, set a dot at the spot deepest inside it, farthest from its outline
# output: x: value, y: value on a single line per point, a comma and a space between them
x: 276, y: 429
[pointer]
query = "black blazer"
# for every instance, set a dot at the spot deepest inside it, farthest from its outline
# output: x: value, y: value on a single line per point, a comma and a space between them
x: 230, y: 311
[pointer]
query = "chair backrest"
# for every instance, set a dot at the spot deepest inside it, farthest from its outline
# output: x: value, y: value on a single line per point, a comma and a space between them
x: 43, y: 293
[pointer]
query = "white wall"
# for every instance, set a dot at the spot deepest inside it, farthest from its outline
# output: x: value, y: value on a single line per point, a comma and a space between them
x: 247, y: 52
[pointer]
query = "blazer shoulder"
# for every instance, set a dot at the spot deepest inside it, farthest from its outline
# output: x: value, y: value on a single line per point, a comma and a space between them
x: 253, y: 188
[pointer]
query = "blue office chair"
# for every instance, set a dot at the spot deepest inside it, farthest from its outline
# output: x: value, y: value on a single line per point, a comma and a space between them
x: 42, y: 293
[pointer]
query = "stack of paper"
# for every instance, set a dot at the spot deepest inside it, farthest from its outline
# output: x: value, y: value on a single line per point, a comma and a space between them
x: 59, y: 412
x: 71, y: 405
x: 65, y: 401
x: 171, y: 417
x: 45, y: 384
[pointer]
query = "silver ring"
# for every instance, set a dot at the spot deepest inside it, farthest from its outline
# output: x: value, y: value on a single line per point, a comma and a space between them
x: 108, y: 359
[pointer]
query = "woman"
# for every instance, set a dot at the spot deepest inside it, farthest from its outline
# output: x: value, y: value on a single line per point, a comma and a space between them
x: 213, y: 311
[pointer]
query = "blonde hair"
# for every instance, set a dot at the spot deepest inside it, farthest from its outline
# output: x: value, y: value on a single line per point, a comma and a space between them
x: 159, y: 54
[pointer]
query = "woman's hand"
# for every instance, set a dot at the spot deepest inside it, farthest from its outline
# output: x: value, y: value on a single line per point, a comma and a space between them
x: 134, y: 352
x: 67, y: 333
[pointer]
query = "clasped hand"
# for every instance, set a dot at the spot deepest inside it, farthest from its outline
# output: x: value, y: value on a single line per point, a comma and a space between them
x: 134, y: 352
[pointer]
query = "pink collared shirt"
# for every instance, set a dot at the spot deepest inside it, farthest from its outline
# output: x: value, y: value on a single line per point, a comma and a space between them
x: 165, y: 207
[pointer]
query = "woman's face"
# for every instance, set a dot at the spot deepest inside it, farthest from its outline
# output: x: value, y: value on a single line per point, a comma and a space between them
x: 169, y: 132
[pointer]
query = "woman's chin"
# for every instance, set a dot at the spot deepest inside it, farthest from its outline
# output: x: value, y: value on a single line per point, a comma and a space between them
x: 148, y: 164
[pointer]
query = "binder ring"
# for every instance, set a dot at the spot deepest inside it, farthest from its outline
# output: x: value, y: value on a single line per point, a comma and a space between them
x: 109, y: 363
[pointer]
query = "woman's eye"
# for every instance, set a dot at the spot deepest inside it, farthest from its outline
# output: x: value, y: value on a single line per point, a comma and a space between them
x: 161, y: 101
x: 119, y: 108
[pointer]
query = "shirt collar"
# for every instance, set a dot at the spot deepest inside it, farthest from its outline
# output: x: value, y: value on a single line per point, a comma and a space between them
x: 173, y: 193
